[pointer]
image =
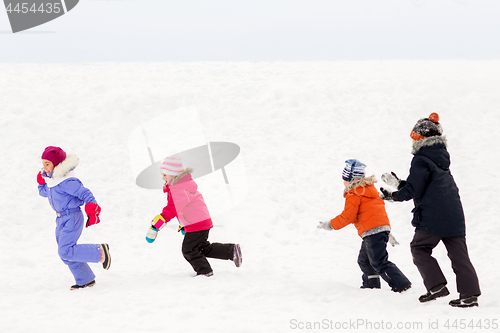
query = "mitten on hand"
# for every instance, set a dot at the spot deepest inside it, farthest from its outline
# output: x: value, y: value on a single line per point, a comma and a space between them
x: 158, y: 222
x: 392, y: 240
x: 151, y: 235
x: 92, y: 210
x: 39, y: 179
x: 388, y: 195
x: 325, y: 225
x: 392, y: 180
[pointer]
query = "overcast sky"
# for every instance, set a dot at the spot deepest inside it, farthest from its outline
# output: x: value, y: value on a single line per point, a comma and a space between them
x: 260, y: 30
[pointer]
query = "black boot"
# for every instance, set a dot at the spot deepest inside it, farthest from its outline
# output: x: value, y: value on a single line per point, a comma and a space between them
x: 107, y: 257
x: 237, y: 257
x: 464, y: 302
x: 435, y: 292
x: 81, y: 286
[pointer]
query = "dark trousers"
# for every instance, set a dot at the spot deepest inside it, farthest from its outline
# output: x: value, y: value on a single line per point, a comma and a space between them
x: 373, y: 261
x: 196, y: 249
x: 421, y: 250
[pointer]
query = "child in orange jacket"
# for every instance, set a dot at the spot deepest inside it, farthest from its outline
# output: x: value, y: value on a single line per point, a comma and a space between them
x: 366, y: 210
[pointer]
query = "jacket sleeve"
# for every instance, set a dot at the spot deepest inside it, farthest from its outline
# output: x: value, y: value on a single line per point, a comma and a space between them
x: 42, y: 190
x: 349, y: 214
x: 169, y: 211
x: 417, y: 181
x: 75, y: 188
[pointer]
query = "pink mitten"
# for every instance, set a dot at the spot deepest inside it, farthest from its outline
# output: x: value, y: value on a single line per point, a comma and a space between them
x: 40, y: 179
x: 92, y: 210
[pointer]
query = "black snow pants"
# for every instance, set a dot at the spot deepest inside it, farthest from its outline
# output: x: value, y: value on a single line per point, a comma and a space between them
x: 373, y: 261
x: 421, y: 250
x: 196, y: 249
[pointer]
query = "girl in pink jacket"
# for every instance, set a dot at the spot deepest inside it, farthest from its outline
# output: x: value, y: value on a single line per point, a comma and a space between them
x: 187, y: 204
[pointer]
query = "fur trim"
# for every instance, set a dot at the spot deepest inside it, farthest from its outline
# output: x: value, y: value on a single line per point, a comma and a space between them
x: 63, y: 168
x: 52, y: 182
x: 431, y: 141
x: 179, y: 177
x: 365, y: 181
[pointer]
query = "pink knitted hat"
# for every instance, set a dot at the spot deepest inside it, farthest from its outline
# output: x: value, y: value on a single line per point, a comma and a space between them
x: 54, y: 154
x: 172, y: 166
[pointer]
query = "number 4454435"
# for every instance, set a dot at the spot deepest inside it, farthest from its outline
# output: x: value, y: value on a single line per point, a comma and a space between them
x: 479, y: 324
x: 25, y: 8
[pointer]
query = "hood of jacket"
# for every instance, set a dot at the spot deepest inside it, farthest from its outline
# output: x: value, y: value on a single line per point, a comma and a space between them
x: 435, y: 149
x: 185, y: 181
x: 363, y: 187
x: 62, y: 171
x: 63, y: 168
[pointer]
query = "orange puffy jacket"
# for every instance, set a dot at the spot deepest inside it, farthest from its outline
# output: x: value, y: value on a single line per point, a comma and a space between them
x: 363, y: 207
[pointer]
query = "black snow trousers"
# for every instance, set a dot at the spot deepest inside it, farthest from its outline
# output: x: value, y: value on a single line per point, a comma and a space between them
x: 373, y: 261
x: 421, y: 250
x: 196, y: 249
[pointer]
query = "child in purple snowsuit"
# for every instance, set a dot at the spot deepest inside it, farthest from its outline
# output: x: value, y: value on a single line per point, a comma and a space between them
x: 66, y: 194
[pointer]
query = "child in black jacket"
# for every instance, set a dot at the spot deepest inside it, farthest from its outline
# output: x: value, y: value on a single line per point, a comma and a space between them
x: 437, y: 216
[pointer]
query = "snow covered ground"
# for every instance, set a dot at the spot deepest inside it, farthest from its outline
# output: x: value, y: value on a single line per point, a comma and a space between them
x: 296, y: 123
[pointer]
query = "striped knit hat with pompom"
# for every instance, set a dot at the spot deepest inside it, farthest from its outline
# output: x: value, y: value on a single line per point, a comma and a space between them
x: 427, y: 127
x: 172, y: 166
x: 354, y: 169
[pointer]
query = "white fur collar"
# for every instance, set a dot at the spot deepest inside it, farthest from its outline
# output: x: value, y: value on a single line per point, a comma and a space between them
x: 63, y: 168
x: 431, y: 141
x: 364, y: 181
x: 51, y: 182
x: 180, y: 176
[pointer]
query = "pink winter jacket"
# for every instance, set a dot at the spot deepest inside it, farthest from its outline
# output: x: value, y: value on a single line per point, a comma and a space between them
x: 186, y: 203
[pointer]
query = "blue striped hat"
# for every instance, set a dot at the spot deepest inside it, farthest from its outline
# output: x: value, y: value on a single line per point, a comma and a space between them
x: 353, y: 169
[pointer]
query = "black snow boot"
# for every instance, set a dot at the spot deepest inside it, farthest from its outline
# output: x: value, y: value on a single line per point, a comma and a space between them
x: 237, y: 257
x: 433, y: 293
x: 464, y: 302
x: 107, y: 256
x: 81, y: 286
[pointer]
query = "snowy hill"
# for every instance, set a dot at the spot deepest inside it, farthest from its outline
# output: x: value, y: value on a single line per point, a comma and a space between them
x: 296, y: 123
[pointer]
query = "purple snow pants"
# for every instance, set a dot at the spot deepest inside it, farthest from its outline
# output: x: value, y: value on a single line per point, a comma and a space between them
x: 76, y: 256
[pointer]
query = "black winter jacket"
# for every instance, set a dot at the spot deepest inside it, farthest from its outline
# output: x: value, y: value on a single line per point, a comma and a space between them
x: 438, y: 209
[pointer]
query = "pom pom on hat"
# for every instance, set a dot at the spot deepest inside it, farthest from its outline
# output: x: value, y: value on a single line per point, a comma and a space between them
x: 427, y: 127
x: 54, y: 154
x: 434, y: 117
